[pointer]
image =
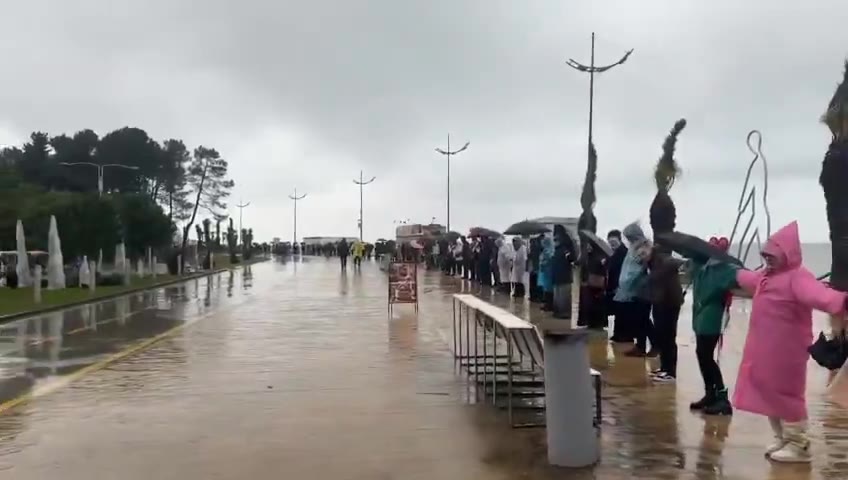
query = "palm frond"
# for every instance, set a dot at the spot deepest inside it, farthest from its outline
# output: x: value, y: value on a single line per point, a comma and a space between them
x: 667, y: 168
x: 588, y: 196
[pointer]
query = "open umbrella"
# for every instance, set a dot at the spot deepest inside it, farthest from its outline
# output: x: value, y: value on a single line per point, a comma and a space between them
x: 596, y: 242
x: 483, y: 232
x: 694, y: 247
x: 451, y: 236
x: 527, y: 227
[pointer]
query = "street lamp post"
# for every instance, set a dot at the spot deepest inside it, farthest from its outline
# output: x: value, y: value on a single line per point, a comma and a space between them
x: 241, y: 206
x: 448, y: 154
x: 296, y: 198
x: 592, y: 69
x: 361, y: 184
x: 100, y: 169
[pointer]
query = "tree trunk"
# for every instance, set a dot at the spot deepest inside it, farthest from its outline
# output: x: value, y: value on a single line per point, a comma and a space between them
x: 188, y: 225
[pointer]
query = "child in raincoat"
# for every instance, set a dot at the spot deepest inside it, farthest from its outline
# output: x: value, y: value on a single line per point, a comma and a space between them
x: 711, y: 282
x: 773, y: 373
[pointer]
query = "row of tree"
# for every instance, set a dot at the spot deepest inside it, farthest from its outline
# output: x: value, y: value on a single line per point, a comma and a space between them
x: 167, y: 185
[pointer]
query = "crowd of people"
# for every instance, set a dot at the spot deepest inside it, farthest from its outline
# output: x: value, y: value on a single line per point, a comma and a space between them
x: 639, y: 285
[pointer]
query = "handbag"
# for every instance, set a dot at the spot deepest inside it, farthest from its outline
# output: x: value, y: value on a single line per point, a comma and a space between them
x: 830, y: 353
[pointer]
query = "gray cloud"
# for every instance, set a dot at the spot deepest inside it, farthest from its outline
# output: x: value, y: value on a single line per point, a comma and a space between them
x: 305, y: 94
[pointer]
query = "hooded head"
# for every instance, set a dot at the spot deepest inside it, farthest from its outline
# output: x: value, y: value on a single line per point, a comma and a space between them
x: 783, y: 250
x: 517, y: 242
x: 499, y: 241
x: 634, y: 235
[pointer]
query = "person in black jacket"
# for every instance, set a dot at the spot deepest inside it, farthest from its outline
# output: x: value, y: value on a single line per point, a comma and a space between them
x: 534, y: 256
x: 563, y: 275
x: 484, y: 267
x: 621, y: 332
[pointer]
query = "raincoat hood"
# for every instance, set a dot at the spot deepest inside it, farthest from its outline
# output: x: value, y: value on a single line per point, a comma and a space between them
x: 634, y: 234
x: 786, y: 245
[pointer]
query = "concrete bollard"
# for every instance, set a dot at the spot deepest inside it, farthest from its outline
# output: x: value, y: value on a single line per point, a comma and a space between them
x: 36, y: 285
x: 572, y: 436
x: 92, y: 284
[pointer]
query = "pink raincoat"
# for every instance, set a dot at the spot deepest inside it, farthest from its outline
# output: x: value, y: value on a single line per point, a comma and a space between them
x: 773, y: 373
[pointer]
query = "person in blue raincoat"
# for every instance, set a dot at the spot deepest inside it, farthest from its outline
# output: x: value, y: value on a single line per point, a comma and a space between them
x: 545, y: 279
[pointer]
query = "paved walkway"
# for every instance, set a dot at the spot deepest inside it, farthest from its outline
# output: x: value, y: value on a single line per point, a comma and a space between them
x: 291, y: 370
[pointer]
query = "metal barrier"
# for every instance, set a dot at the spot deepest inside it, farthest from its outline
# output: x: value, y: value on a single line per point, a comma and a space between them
x: 521, y: 359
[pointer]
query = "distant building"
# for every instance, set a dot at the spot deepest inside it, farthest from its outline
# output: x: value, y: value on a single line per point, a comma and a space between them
x: 312, y: 241
x: 408, y: 233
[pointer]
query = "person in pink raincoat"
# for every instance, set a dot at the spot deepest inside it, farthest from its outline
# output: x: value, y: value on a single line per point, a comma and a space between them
x: 773, y: 373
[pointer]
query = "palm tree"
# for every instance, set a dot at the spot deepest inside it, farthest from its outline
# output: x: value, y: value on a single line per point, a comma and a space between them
x: 834, y: 175
x: 663, y: 213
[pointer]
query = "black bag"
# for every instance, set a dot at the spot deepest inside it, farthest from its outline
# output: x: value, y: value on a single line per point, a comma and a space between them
x: 830, y: 354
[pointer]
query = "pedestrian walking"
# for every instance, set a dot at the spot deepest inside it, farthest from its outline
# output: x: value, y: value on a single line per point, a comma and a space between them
x: 343, y: 250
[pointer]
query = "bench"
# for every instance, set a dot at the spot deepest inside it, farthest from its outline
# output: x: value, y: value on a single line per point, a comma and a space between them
x: 521, y: 340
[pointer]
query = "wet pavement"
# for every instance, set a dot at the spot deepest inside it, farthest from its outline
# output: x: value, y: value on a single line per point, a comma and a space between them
x: 290, y: 370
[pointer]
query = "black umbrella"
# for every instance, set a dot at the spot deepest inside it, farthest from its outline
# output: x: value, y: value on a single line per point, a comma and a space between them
x: 694, y: 247
x: 483, y: 232
x: 830, y: 354
x: 596, y: 242
x: 527, y: 227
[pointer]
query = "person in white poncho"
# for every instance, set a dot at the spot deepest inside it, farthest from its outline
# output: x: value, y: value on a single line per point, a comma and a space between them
x: 505, y: 256
x: 519, y: 267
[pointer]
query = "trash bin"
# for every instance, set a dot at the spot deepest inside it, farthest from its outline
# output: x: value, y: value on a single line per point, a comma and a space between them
x: 569, y: 396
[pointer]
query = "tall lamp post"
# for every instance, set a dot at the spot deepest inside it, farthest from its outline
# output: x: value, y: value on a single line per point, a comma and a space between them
x: 361, y: 184
x: 296, y: 198
x: 448, y: 154
x: 241, y: 206
x: 592, y: 70
x: 100, y: 169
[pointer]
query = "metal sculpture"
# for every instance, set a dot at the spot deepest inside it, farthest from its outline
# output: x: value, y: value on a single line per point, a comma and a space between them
x: 747, y: 202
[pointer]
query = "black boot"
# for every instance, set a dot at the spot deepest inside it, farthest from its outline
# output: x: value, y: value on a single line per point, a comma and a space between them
x: 721, y: 405
x: 709, y: 399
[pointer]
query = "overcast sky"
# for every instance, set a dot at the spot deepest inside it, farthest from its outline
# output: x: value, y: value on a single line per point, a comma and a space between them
x: 306, y: 94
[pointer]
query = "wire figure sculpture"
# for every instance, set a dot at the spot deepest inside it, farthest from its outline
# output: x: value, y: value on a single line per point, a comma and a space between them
x: 747, y: 202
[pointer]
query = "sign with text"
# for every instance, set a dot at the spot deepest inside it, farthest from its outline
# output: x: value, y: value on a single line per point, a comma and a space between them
x: 403, y: 283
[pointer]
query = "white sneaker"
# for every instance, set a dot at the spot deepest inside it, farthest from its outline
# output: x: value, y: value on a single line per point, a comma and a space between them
x: 777, y: 445
x: 791, y: 453
x: 663, y: 377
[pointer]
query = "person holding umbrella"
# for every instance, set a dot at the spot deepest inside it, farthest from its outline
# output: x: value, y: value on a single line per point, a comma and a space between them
x: 504, y: 261
x: 562, y: 274
x: 534, y: 257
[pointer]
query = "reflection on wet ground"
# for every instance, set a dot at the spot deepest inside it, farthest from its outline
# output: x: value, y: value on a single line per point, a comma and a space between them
x: 292, y: 370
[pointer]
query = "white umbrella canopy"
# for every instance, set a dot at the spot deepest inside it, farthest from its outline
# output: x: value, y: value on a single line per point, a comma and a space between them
x: 55, y: 262
x: 22, y: 267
